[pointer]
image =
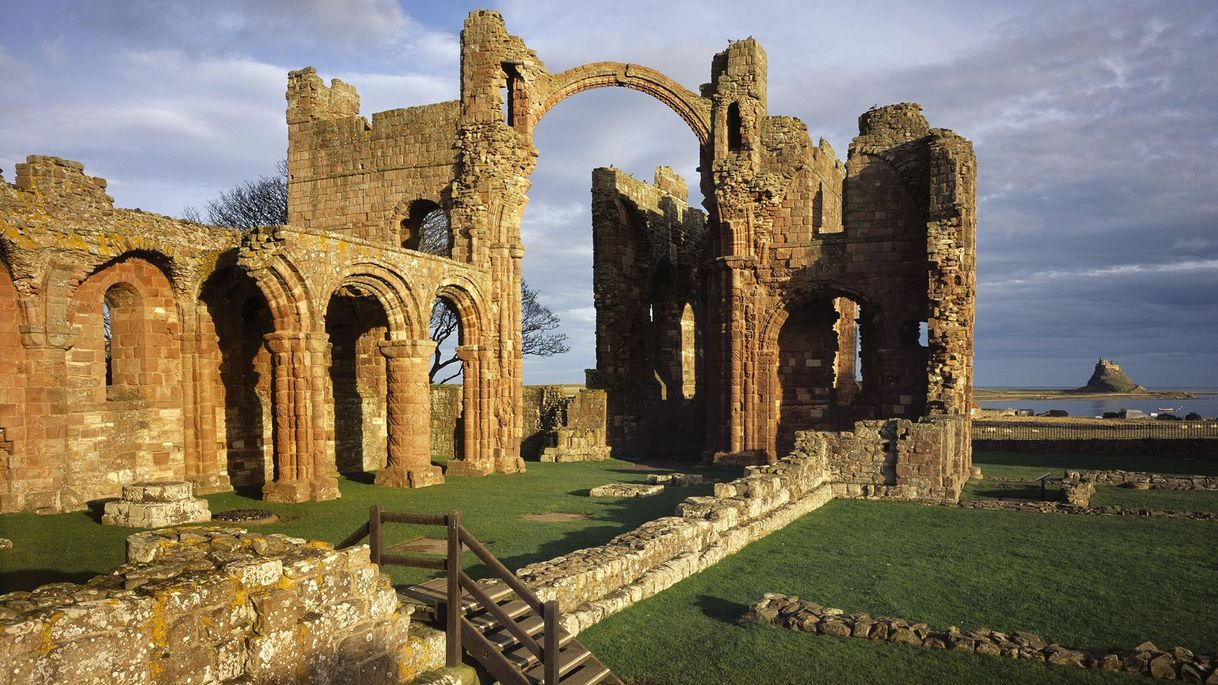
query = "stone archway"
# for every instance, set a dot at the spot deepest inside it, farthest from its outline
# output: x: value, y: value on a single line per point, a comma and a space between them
x: 694, y: 110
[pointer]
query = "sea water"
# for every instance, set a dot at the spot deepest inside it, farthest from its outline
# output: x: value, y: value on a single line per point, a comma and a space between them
x: 1205, y: 404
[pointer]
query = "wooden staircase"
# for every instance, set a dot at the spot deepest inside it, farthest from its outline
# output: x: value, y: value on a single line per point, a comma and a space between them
x: 498, y: 648
x: 501, y: 622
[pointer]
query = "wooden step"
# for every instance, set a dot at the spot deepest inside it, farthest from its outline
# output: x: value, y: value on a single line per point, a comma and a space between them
x: 569, y: 658
x: 484, y: 620
x: 435, y: 592
x: 592, y: 672
x: 532, y: 625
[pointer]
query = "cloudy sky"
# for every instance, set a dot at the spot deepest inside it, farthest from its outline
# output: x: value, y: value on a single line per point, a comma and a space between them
x: 1095, y: 125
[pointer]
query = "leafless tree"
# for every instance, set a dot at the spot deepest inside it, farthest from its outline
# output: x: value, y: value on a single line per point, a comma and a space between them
x: 261, y: 202
x: 537, y: 322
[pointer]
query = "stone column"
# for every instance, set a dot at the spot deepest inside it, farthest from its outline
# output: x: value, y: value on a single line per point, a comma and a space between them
x: 316, y: 405
x: 298, y: 389
x: 475, y: 410
x: 409, y: 415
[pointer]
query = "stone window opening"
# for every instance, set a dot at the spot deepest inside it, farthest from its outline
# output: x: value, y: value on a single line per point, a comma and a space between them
x: 507, y: 93
x: 122, y: 341
x: 426, y: 228
x: 690, y: 352
x: 735, y: 128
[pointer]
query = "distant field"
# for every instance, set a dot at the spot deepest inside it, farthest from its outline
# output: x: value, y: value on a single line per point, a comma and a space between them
x: 996, y: 394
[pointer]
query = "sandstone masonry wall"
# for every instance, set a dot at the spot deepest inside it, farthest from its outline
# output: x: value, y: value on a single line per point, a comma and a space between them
x: 211, y: 605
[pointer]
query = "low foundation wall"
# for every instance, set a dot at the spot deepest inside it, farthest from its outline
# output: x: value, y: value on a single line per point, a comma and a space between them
x: 211, y: 605
x: 593, y: 583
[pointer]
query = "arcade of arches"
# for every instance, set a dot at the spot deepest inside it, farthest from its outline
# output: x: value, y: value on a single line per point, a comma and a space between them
x: 138, y: 347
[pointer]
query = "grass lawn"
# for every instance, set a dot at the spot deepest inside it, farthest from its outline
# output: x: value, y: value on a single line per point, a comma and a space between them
x: 75, y: 547
x: 1027, y: 465
x: 1082, y: 581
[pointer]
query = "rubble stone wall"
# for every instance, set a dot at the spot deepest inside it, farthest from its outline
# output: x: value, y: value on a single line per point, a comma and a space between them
x: 216, y: 605
x: 892, y: 458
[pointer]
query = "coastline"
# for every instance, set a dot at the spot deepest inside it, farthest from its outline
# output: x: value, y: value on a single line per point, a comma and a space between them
x: 1033, y: 394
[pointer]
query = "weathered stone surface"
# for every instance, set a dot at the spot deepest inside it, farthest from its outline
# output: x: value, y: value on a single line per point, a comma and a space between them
x: 626, y: 490
x: 189, y: 606
x: 156, y: 505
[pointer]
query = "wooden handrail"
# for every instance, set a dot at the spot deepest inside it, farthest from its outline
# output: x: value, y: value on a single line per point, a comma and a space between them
x: 457, y: 580
x: 549, y: 657
x: 507, y: 621
x: 359, y: 534
x: 523, y: 591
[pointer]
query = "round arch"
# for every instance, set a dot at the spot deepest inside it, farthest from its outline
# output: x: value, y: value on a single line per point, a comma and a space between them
x: 694, y: 110
x: 395, y: 295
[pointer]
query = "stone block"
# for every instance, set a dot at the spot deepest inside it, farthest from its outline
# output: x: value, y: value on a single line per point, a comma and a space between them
x: 626, y: 490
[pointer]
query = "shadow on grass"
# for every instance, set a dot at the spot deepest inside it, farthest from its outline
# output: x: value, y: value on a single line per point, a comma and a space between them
x: 720, y: 609
x: 1024, y: 492
x: 1066, y: 460
x: 621, y: 516
x: 29, y: 578
x: 365, y: 477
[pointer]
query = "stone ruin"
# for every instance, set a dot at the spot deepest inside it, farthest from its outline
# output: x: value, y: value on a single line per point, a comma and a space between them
x: 810, y: 294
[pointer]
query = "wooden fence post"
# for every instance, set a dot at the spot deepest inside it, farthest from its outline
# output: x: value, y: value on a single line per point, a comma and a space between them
x: 453, y: 611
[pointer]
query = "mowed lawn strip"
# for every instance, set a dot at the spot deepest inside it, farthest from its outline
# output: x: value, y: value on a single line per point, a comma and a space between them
x: 1080, y: 581
x: 74, y: 547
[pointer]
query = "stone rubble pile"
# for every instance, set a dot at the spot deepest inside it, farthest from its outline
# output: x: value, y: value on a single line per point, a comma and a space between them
x: 211, y: 605
x: 1146, y: 659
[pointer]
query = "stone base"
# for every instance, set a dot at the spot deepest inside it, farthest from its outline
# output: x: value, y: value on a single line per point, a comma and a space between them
x: 410, y: 477
x: 461, y: 467
x: 286, y: 491
x: 564, y: 454
x: 626, y: 490
x: 324, y: 488
x: 747, y: 458
x: 212, y: 483
x: 156, y: 505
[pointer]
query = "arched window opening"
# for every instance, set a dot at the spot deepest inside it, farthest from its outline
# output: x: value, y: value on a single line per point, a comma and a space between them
x: 735, y: 131
x: 426, y: 229
x: 122, y: 334
x: 689, y: 353
x: 109, y: 339
x: 507, y: 93
x: 446, y: 367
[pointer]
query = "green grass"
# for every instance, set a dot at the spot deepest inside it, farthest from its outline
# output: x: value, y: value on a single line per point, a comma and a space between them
x: 75, y: 547
x: 1028, y: 465
x: 995, y: 463
x: 1161, y: 500
x: 1083, y: 581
